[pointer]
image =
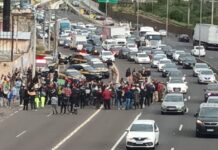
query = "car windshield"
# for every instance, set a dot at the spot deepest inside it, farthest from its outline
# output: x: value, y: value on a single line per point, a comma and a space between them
x: 72, y: 73
x: 106, y: 53
x: 212, y: 100
x: 142, y: 128
x: 173, y: 98
x: 153, y: 37
x: 206, y: 72
x: 170, y: 65
x: 89, y: 68
x: 99, y: 65
x: 184, y: 54
x: 179, y: 52
x: 176, y: 73
x: 164, y: 61
x: 208, y: 112
x: 176, y: 81
x: 189, y: 59
x: 142, y: 55
x: 212, y: 87
x: 132, y: 53
x: 199, y: 47
x: 201, y: 66
x: 131, y: 45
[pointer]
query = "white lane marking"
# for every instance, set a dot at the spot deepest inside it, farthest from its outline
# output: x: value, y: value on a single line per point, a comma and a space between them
x: 189, y: 97
x: 187, y: 110
x: 124, y: 134
x: 11, y: 114
x: 76, y: 130
x: 49, y: 115
x: 172, y: 148
x: 180, y: 127
x: 16, y: 112
x: 21, y: 134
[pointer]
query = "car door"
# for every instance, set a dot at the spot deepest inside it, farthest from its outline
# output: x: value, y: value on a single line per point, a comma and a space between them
x: 157, y: 132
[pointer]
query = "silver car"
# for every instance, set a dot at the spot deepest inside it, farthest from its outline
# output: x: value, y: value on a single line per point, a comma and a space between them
x: 173, y: 102
x: 198, y: 67
x: 206, y: 76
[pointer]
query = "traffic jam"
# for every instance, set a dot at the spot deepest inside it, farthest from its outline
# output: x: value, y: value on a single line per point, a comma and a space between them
x: 95, y: 48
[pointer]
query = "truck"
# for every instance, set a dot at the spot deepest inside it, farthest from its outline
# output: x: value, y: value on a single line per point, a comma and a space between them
x: 207, y: 34
x: 143, y: 30
x: 77, y: 42
x: 113, y: 31
x: 64, y: 24
x: 153, y: 39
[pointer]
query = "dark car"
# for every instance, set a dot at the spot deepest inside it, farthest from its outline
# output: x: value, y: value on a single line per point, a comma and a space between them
x: 123, y: 53
x: 88, y: 71
x: 88, y: 47
x: 210, y: 90
x: 131, y: 56
x: 169, y: 53
x: 184, y: 38
x: 182, y: 57
x: 144, y: 49
x: 165, y: 48
x: 115, y: 49
x: 207, y: 120
x: 189, y: 62
x: 67, y: 43
x: 167, y: 68
x: 175, y: 73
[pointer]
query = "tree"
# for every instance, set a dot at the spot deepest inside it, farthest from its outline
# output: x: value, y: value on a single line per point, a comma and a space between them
x: 6, y: 15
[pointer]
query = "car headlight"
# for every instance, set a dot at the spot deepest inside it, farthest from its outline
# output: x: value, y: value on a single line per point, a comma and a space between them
x: 163, y: 106
x: 129, y: 138
x: 199, y: 122
x: 208, y: 94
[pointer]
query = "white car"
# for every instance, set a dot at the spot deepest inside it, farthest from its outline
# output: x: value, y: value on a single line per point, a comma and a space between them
x: 142, y: 58
x: 163, y: 32
x: 198, y: 51
x: 142, y: 134
x: 176, y: 54
x: 198, y: 67
x: 173, y: 102
x: 161, y: 63
x: 132, y: 47
x: 177, y: 85
x: 212, y: 99
x: 206, y: 76
x: 106, y: 55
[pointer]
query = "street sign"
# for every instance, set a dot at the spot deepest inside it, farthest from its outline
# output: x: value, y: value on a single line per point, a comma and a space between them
x: 108, y: 1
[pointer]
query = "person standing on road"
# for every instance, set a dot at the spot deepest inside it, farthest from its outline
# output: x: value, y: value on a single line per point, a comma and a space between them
x: 142, y: 96
x: 22, y: 94
x: 107, y: 95
x: 54, y: 103
x: 26, y: 99
x: 128, y: 97
x: 32, y: 95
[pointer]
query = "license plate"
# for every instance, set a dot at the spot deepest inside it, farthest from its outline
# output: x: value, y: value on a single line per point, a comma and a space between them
x: 171, y: 109
x: 139, y: 142
x: 177, y: 89
x: 210, y: 130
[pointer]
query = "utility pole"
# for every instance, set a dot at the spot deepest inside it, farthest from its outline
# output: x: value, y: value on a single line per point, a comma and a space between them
x: 201, y: 5
x: 34, y: 48
x: 89, y: 9
x: 137, y: 21
x: 49, y: 33
x: 189, y: 9
x: 212, y: 11
x: 167, y: 17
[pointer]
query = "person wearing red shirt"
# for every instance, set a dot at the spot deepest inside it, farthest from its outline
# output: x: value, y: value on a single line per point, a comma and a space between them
x: 107, y: 95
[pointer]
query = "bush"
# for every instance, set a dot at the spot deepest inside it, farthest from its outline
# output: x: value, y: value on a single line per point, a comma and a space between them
x: 176, y: 15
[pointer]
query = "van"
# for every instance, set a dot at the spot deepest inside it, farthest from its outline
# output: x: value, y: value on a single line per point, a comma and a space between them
x: 77, y: 42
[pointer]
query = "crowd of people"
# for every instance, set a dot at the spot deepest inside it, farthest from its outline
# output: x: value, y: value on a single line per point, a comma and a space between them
x: 132, y: 92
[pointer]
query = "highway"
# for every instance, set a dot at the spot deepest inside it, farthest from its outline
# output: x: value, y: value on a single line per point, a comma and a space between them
x: 104, y: 129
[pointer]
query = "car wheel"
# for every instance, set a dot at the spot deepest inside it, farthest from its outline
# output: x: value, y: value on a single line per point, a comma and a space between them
x: 199, y: 82
x: 197, y: 134
x: 127, y: 148
x: 162, y: 113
